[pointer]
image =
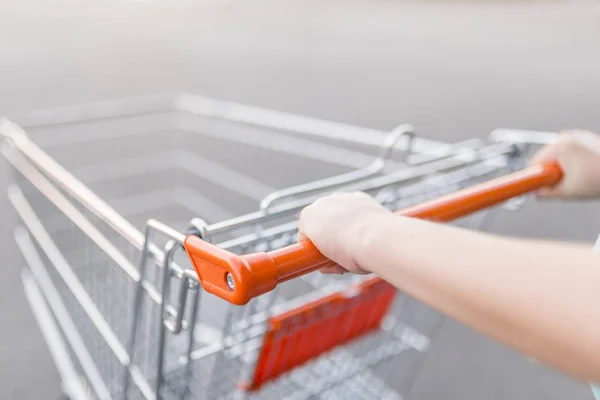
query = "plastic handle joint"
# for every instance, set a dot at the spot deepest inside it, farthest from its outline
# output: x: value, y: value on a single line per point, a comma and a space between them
x: 237, y: 279
x: 234, y: 278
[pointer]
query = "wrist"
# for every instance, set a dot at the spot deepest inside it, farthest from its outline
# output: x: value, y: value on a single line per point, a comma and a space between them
x: 370, y: 234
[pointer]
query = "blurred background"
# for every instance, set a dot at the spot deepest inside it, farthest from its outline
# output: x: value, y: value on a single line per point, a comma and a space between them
x: 454, y: 69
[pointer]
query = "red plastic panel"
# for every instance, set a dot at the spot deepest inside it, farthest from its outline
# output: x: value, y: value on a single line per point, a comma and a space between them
x: 306, y: 332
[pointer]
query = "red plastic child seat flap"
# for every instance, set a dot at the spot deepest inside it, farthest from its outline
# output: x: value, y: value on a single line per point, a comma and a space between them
x: 299, y: 335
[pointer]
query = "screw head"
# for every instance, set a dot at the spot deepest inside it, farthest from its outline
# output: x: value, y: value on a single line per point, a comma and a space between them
x: 230, y: 281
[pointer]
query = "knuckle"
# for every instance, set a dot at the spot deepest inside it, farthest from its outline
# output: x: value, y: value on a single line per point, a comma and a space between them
x: 302, y: 215
x: 306, y: 212
x: 331, y: 197
x: 565, y: 144
x: 361, y: 196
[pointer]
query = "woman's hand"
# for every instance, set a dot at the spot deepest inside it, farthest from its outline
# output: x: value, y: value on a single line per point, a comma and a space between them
x: 578, y: 154
x: 335, y: 226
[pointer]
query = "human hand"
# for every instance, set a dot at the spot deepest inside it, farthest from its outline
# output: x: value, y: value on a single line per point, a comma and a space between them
x: 578, y: 154
x: 334, y: 224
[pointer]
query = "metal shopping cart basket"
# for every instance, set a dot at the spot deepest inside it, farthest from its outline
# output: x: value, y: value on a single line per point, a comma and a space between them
x: 217, y: 300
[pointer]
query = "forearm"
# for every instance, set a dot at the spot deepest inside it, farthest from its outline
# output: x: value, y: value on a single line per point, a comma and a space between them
x: 541, y: 298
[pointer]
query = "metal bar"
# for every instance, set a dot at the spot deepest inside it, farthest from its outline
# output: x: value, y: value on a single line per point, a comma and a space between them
x: 34, y: 225
x: 292, y: 123
x: 169, y: 251
x: 193, y: 317
x: 175, y: 323
x: 54, y: 196
x: 18, y: 138
x: 491, y: 154
x: 523, y: 136
x: 136, y: 311
x: 187, y: 103
x: 44, y: 282
x: 328, y: 183
x: 58, y: 349
x: 165, y: 230
x: 36, y: 228
x: 67, y: 208
x: 382, y: 182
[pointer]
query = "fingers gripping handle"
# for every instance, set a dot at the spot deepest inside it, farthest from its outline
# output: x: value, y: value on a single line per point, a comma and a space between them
x: 238, y: 279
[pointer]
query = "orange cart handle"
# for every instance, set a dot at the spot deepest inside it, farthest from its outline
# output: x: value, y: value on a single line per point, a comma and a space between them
x: 238, y: 279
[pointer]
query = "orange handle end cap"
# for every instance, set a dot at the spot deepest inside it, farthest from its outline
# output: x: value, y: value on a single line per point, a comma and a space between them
x: 553, y: 172
x: 234, y: 278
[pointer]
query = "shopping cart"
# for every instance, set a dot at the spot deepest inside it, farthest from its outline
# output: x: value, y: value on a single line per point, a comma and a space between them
x: 226, y: 306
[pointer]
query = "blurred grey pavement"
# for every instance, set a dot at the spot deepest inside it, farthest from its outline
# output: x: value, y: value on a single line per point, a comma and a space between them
x: 453, y: 69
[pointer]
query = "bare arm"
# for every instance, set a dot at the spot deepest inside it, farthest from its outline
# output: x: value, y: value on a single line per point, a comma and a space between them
x: 540, y: 298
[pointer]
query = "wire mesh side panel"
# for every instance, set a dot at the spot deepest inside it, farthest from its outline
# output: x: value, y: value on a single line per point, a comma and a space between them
x: 104, y: 358
x: 92, y: 268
